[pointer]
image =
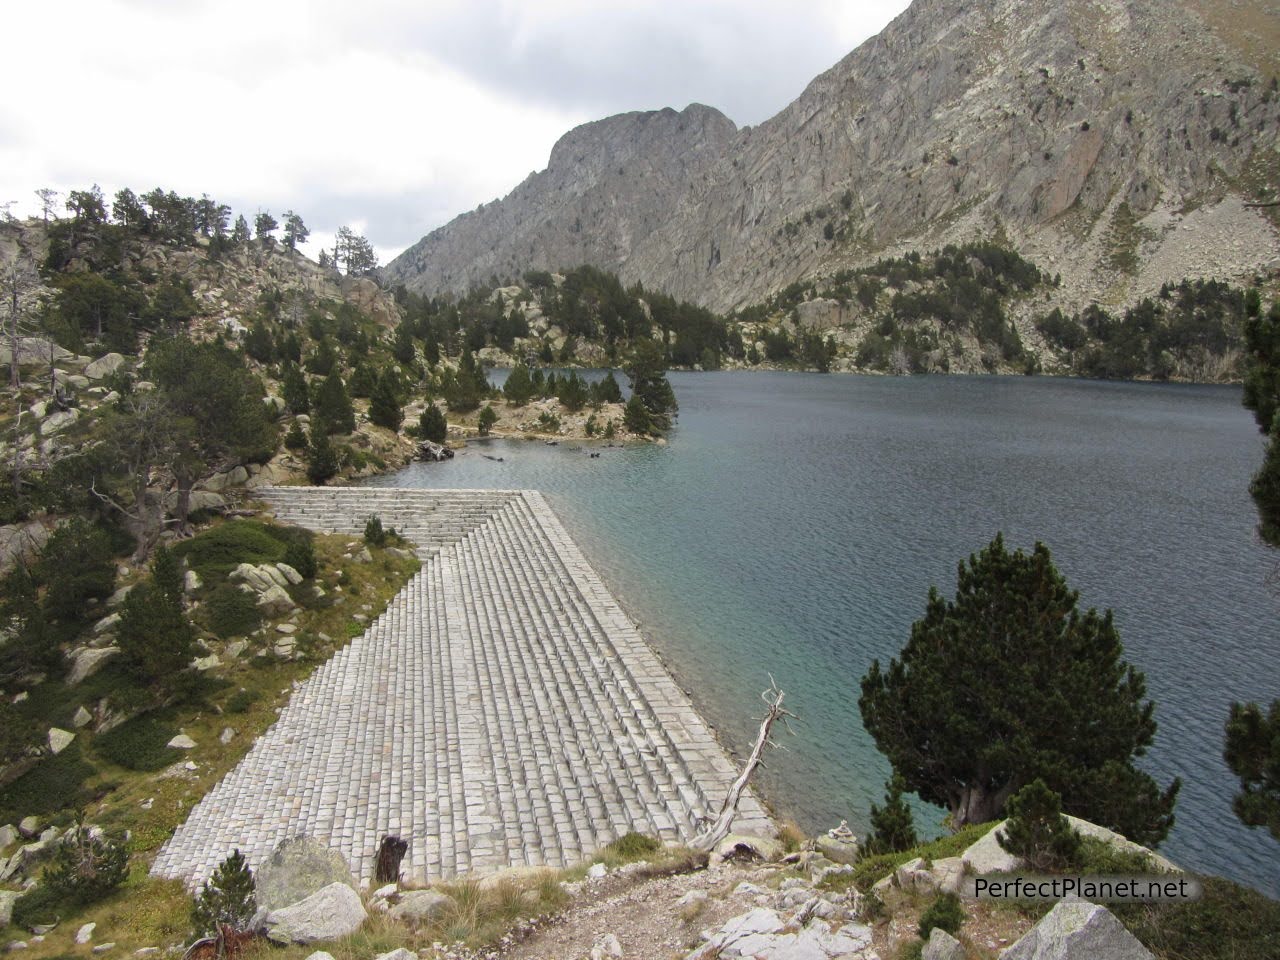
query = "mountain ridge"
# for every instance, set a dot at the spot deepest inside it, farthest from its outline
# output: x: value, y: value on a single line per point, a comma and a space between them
x: 1115, y: 142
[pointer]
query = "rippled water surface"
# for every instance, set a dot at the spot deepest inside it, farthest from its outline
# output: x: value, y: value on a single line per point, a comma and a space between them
x: 794, y: 525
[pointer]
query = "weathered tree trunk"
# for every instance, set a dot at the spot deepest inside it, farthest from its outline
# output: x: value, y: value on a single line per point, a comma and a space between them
x: 719, y: 828
x: 977, y: 804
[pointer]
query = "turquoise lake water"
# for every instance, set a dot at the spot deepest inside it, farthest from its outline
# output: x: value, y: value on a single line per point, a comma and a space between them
x: 795, y: 522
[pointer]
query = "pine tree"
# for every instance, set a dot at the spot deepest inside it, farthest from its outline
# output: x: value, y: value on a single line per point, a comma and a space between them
x: 1253, y: 754
x: 519, y: 386
x: 167, y: 575
x: 363, y: 379
x: 487, y: 419
x: 226, y: 899
x: 155, y: 637
x: 296, y: 438
x: 892, y: 826
x: 636, y: 417
x: 1037, y: 831
x: 322, y: 459
x: 432, y: 424
x: 609, y: 391
x: 86, y: 867
x: 573, y: 392
x: 333, y: 406
x: 1014, y: 635
x: 384, y: 405
x: 294, y: 390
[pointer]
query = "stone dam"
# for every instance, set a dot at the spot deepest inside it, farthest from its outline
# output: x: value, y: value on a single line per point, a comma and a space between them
x: 502, y: 712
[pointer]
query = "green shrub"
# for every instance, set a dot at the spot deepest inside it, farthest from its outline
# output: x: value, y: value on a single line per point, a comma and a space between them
x: 301, y: 555
x: 241, y: 701
x: 50, y: 786
x: 946, y: 912
x: 216, y: 552
x: 1230, y: 922
x: 139, y: 744
x: 634, y: 846
x: 1037, y: 831
x: 226, y: 899
x: 374, y: 535
x: 231, y: 612
x: 868, y: 870
x: 38, y: 905
x: 86, y: 868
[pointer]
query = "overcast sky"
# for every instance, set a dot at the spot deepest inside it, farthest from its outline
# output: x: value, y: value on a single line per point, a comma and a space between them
x: 391, y: 117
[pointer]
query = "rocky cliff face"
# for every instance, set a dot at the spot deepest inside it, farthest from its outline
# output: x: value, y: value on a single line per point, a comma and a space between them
x: 1115, y: 141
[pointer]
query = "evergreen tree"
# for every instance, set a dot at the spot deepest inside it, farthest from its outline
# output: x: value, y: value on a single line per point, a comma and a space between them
x: 86, y: 867
x: 573, y: 392
x: 258, y: 342
x: 1253, y: 754
x: 403, y: 346
x: 156, y: 639
x: 519, y: 386
x: 384, y: 405
x: 167, y: 575
x: 226, y: 899
x: 609, y: 391
x: 296, y: 438
x: 294, y: 390
x: 1262, y: 396
x: 264, y: 224
x: 76, y: 567
x: 363, y: 379
x: 1037, y: 831
x: 1009, y: 683
x: 636, y: 417
x: 240, y: 232
x: 432, y: 425
x: 322, y: 459
x: 333, y: 407
x: 295, y: 231
x: 892, y: 826
x: 647, y: 370
x: 487, y: 419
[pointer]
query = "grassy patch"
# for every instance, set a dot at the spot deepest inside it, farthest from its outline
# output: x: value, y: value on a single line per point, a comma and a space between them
x: 869, y: 870
x: 1231, y: 922
x: 50, y: 786
x: 231, y: 612
x: 139, y: 744
x: 216, y: 552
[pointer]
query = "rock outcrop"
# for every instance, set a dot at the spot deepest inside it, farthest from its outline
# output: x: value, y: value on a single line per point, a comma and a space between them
x: 1114, y: 142
x: 1076, y: 930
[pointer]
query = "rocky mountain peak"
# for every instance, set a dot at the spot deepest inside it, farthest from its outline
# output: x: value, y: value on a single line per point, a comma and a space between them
x: 1115, y: 141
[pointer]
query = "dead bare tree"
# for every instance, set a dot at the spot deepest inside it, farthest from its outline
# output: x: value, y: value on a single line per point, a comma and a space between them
x: 718, y: 829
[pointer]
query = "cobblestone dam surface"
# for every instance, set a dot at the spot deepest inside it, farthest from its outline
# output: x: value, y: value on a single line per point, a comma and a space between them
x: 504, y: 711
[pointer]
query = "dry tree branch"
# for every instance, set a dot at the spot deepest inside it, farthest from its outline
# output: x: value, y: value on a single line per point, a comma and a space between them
x: 719, y: 828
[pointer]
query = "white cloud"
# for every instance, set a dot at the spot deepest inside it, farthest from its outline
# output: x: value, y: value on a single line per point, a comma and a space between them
x: 396, y: 115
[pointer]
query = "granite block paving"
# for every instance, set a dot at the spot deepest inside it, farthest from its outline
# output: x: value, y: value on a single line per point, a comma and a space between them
x: 503, y: 711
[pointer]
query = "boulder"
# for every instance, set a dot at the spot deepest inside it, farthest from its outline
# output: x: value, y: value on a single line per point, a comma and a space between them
x: 117, y: 598
x: 1120, y: 843
x: 398, y: 954
x: 422, y: 906
x: 838, y: 849
x: 199, y: 500
x: 21, y: 541
x: 191, y: 582
x: 82, y: 718
x: 88, y: 661
x: 8, y: 835
x: 59, y: 739
x: 29, y: 827
x: 606, y: 946
x: 107, y: 624
x: 1076, y: 930
x: 986, y: 855
x: 181, y: 742
x: 740, y: 847
x: 7, y: 899
x: 320, y: 955
x: 33, y: 350
x: 332, y: 912
x: 59, y: 421
x: 290, y: 574
x: 297, y: 868
x: 276, y: 601
x: 104, y: 366
x: 85, y: 933
x: 942, y: 946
